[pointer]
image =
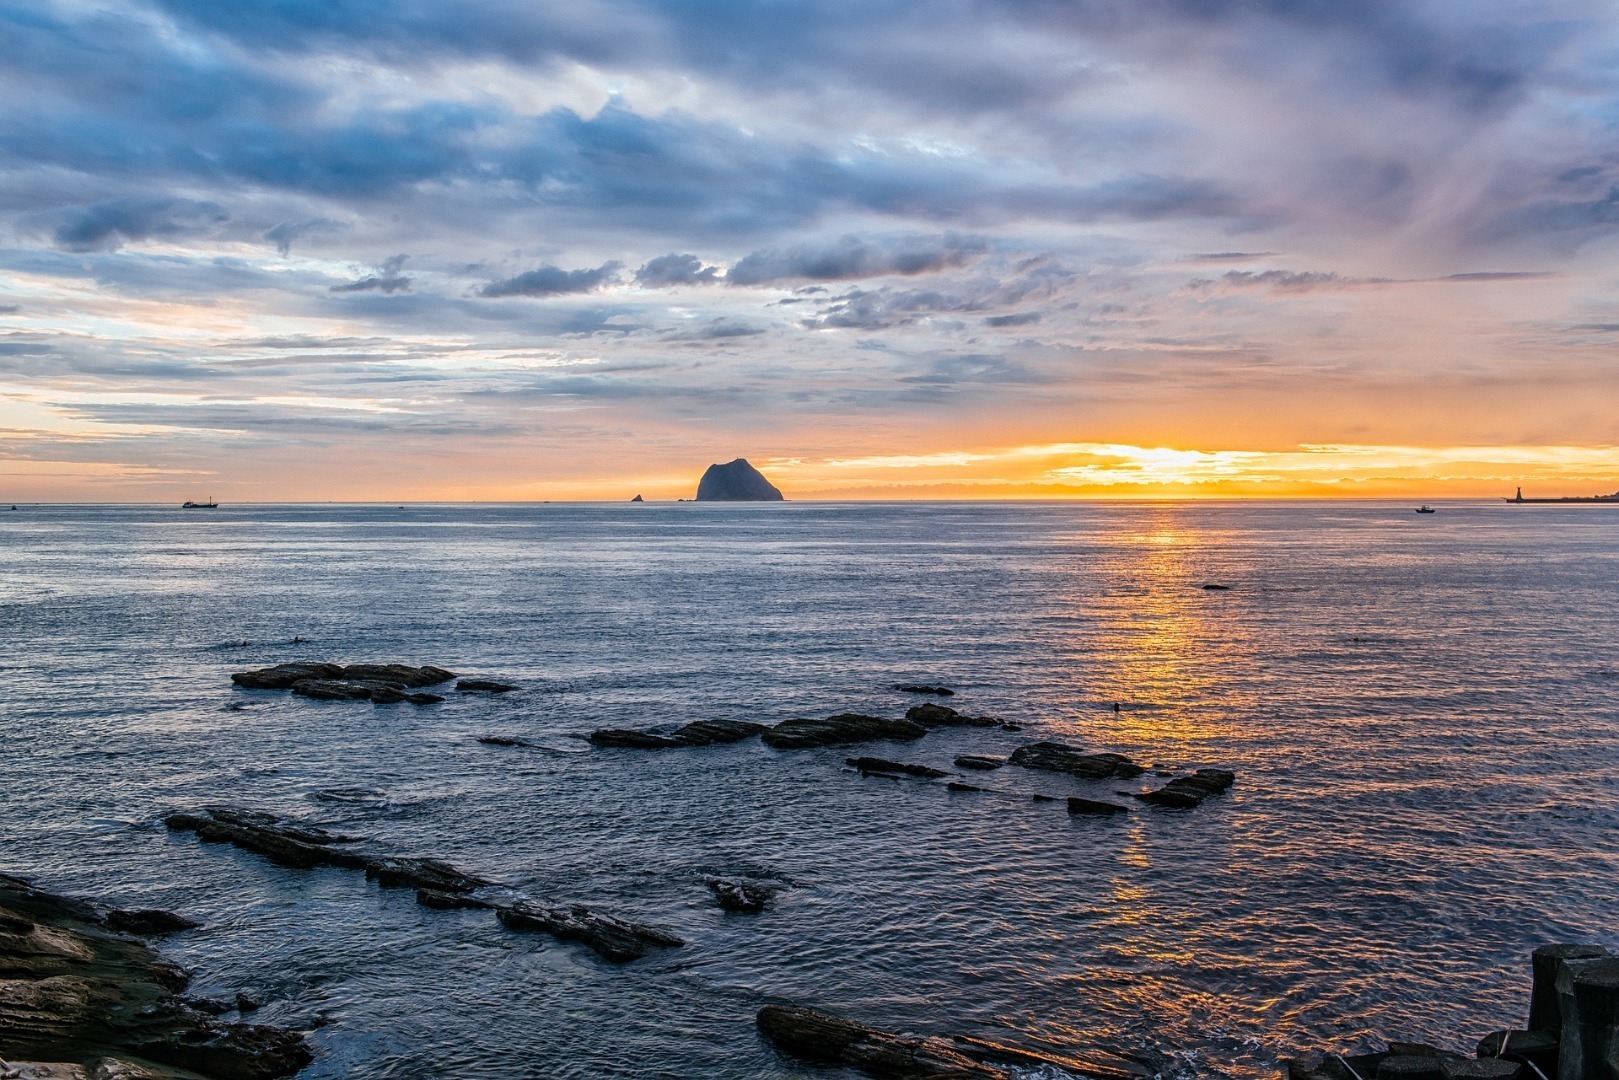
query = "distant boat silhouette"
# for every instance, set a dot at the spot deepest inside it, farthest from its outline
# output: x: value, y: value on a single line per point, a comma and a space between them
x: 1426, y: 509
x: 209, y: 505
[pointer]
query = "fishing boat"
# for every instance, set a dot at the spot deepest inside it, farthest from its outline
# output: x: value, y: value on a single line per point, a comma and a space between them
x: 1426, y: 509
x: 209, y: 505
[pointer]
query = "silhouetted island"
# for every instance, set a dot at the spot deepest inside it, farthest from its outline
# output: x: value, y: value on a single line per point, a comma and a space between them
x: 736, y: 481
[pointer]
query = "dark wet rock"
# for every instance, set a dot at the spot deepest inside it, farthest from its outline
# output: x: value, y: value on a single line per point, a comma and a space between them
x: 247, y: 1002
x: 1010, y: 727
x: 1057, y: 757
x: 831, y: 1040
x: 956, y: 785
x: 302, y: 846
x: 1043, y: 798
x: 1410, y: 1067
x: 211, y: 1006
x: 840, y: 730
x: 502, y: 740
x: 932, y: 714
x: 1545, y: 1009
x: 398, y: 674
x: 1317, y: 1065
x: 742, y: 894
x: 484, y: 686
x: 1095, y: 807
x: 1188, y: 792
x: 447, y: 901
x: 923, y: 688
x: 1485, y: 1069
x: 736, y: 481
x: 612, y: 939
x: 1216, y: 588
x: 696, y: 733
x: 982, y: 764
x: 107, y: 1006
x: 1538, y: 1047
x: 386, y: 695
x: 423, y: 699
x: 1098, y: 1065
x: 882, y: 765
x: 282, y: 676
x: 342, y: 690
x: 148, y: 922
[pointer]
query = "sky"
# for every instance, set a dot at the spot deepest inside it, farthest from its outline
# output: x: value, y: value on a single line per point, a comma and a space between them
x: 288, y: 250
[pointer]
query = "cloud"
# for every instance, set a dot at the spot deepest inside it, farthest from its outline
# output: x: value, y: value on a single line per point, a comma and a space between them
x: 853, y: 257
x: 1022, y: 318
x: 1290, y: 281
x: 1498, y: 275
x: 10, y: 309
x: 553, y: 281
x: 1229, y: 256
x: 675, y: 269
x: 387, y: 279
x: 284, y: 234
x: 107, y: 226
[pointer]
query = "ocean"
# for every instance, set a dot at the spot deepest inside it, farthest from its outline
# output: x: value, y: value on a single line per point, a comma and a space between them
x: 1422, y: 712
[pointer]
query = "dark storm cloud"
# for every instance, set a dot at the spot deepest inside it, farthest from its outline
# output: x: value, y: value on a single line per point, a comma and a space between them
x: 853, y: 257
x: 553, y: 281
x: 387, y: 279
x: 676, y: 269
x: 107, y: 226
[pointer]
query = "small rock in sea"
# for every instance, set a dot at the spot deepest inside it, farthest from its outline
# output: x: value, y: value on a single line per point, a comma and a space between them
x: 742, y: 895
x: 1043, y: 798
x: 246, y: 1002
x: 840, y: 730
x: 1216, y: 588
x: 922, y: 688
x: 1057, y: 757
x: 1188, y: 792
x: 696, y: 733
x: 956, y: 785
x: 148, y: 922
x: 932, y: 714
x: 1005, y: 726
x: 211, y: 1006
x: 503, y: 740
x: 484, y: 686
x: 423, y: 699
x: 385, y: 684
x: 880, y: 765
x: 983, y: 764
x: 444, y: 901
x: 613, y: 939
x: 1095, y: 808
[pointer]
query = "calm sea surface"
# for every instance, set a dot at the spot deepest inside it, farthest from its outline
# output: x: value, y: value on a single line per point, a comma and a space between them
x: 1423, y: 713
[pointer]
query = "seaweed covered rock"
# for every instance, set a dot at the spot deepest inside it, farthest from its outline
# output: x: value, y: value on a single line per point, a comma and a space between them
x: 1058, y: 757
x: 841, y: 730
x: 97, y: 1004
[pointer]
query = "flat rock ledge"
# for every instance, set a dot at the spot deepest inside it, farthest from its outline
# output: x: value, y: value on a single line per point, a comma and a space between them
x: 696, y: 733
x: 931, y: 714
x: 78, y: 1001
x: 826, y: 1039
x: 1188, y: 792
x: 844, y: 729
x: 1058, y: 757
x: 304, y: 846
x: 613, y: 939
x: 383, y: 684
x: 883, y: 767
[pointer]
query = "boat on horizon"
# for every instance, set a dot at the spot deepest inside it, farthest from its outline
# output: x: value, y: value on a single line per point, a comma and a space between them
x: 1426, y: 509
x: 209, y: 505
x: 1610, y: 499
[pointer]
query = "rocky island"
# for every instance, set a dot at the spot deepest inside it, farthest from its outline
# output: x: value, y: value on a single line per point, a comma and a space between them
x: 736, y: 481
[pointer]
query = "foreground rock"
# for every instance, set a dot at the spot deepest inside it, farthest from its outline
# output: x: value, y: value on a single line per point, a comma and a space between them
x: 384, y: 684
x: 304, y: 846
x: 890, y: 768
x: 935, y: 715
x: 613, y: 939
x: 844, y: 729
x: 1057, y: 757
x: 736, y: 481
x: 94, y: 1004
x: 833, y: 1040
x: 1188, y: 792
x: 696, y: 733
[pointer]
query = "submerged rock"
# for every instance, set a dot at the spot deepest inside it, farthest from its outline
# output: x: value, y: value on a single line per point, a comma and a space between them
x: 1095, y: 808
x: 923, y: 688
x: 1188, y: 792
x: 94, y: 1004
x: 982, y: 764
x: 742, y: 894
x: 148, y: 922
x: 736, y: 481
x: 956, y: 785
x: 503, y: 740
x: 882, y: 765
x: 1057, y: 757
x: 484, y: 686
x: 613, y: 939
x: 932, y: 714
x: 696, y: 733
x: 840, y: 730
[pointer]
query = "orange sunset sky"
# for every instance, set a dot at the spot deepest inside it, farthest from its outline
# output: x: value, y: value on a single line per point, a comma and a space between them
x: 999, y: 251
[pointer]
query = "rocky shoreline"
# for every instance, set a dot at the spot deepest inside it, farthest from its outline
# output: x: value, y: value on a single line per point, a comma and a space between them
x: 83, y: 999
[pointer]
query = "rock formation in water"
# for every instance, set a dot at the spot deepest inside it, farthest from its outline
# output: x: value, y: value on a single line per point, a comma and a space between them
x: 1056, y: 757
x: 613, y: 939
x: 736, y: 481
x: 384, y: 684
x: 843, y: 729
x: 1188, y: 792
x: 696, y: 733
x: 934, y: 715
x: 100, y: 1006
x: 884, y: 766
x: 637, y: 499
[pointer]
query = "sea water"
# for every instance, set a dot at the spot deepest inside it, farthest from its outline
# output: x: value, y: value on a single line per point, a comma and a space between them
x: 1422, y: 712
